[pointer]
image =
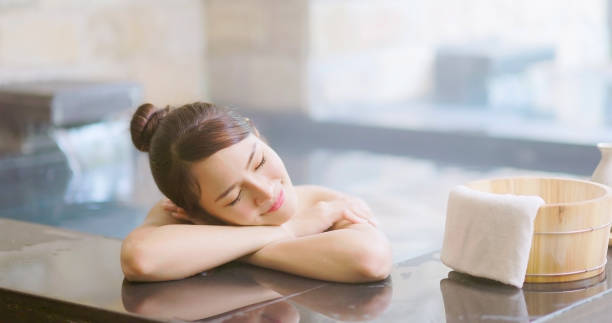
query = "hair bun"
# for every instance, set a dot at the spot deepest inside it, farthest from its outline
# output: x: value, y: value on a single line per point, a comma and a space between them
x: 144, y: 123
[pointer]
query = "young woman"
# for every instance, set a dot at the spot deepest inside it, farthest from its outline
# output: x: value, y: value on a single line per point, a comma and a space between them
x: 232, y: 199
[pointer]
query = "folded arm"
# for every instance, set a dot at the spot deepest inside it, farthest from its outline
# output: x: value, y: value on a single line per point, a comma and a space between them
x: 164, y: 248
x: 331, y: 241
x: 353, y: 253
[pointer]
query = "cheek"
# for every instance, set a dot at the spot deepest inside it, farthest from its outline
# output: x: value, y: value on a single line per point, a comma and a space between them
x: 236, y: 215
x: 245, y: 211
x: 276, y: 166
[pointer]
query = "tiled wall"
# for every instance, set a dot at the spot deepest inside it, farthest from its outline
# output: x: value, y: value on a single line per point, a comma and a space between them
x: 257, y: 53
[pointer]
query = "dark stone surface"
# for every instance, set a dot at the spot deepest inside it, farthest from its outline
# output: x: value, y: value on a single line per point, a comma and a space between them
x: 61, y: 103
x: 23, y: 307
x: 33, y: 112
x: 50, y: 274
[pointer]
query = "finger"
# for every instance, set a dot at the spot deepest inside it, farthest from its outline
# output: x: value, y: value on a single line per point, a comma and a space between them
x: 166, y: 203
x: 364, y: 219
x: 351, y: 212
x: 364, y: 205
x: 358, y: 209
x: 361, y: 208
x: 369, y: 219
x: 179, y: 216
x: 181, y: 211
x: 352, y: 217
x: 169, y: 205
x: 373, y: 221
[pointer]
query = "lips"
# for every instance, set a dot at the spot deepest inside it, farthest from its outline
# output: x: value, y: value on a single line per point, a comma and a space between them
x: 278, y: 203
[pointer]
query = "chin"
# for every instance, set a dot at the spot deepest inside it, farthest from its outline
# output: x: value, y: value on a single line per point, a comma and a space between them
x: 277, y: 219
x: 286, y: 212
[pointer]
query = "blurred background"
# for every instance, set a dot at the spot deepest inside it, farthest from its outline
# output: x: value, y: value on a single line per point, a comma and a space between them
x: 508, y: 68
x: 414, y: 96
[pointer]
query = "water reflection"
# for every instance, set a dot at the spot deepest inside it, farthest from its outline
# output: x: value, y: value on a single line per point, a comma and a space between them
x: 241, y: 293
x: 469, y: 298
x: 543, y: 299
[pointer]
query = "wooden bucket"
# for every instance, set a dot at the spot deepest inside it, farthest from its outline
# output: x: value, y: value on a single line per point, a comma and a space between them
x: 571, y: 230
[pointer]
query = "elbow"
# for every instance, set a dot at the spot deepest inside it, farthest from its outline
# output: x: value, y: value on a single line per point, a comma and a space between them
x: 135, y: 262
x: 374, y: 262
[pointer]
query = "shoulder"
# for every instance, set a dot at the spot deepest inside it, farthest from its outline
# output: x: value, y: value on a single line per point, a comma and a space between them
x: 315, y: 193
x: 310, y: 195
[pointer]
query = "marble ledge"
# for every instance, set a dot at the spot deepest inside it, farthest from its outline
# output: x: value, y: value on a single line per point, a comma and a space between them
x: 51, y: 274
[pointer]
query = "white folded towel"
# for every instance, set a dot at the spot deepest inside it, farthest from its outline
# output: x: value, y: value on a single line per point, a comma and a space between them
x: 489, y: 235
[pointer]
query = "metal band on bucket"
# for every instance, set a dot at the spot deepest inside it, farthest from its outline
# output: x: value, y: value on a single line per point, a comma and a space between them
x: 578, y: 231
x: 573, y: 272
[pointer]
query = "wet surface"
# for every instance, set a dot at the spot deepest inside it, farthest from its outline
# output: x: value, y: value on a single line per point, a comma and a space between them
x: 92, y: 181
x: 84, y: 269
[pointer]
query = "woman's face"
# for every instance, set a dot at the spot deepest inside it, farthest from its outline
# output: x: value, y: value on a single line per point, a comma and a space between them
x: 246, y: 184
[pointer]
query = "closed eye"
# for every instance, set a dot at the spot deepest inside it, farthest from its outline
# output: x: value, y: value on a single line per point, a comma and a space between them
x: 236, y: 200
x: 261, y: 163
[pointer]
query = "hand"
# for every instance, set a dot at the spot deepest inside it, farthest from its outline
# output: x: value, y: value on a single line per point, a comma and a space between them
x: 358, y: 206
x: 361, y: 209
x: 179, y: 213
x: 324, y: 214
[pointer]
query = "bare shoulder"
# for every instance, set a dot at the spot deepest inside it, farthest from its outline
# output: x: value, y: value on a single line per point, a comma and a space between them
x: 315, y: 193
x: 310, y: 195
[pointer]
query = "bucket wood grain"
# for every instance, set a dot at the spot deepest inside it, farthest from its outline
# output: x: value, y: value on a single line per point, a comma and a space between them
x: 571, y: 231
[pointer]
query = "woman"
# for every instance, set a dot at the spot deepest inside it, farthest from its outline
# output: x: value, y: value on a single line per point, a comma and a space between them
x: 232, y: 199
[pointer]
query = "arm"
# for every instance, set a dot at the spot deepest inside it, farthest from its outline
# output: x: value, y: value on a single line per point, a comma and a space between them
x: 353, y: 253
x: 350, y: 252
x: 165, y: 248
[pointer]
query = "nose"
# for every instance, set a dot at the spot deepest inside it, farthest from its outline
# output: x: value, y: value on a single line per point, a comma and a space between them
x: 263, y: 190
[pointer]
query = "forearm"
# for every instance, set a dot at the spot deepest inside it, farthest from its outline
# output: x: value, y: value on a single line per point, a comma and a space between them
x: 358, y: 253
x: 180, y: 250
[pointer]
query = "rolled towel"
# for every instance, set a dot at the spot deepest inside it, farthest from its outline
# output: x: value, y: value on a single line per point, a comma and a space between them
x: 489, y: 235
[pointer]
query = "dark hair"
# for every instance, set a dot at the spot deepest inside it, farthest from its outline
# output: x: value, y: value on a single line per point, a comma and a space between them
x: 176, y: 138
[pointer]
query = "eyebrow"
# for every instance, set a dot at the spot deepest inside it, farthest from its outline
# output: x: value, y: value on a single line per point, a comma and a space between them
x: 229, y: 189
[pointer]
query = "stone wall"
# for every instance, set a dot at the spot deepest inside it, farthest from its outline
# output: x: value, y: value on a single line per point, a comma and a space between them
x: 157, y: 43
x: 313, y: 56
x: 257, y: 53
x: 364, y: 53
x: 332, y: 57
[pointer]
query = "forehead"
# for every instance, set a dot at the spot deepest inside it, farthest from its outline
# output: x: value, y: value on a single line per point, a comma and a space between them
x: 220, y: 170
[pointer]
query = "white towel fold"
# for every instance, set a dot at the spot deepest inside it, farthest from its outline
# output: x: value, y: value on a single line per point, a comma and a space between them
x: 489, y: 235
